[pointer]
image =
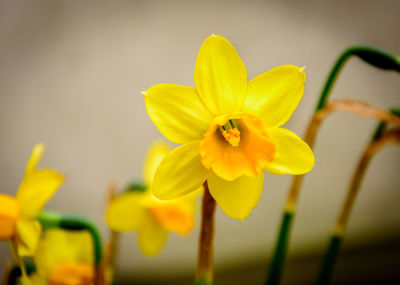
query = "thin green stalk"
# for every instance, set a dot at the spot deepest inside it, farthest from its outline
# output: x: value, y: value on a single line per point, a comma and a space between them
x: 375, y: 56
x: 379, y: 138
x: 329, y: 259
x: 276, y: 266
x: 75, y: 223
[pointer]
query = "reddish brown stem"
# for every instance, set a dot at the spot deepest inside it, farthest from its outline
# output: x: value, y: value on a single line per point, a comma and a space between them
x: 355, y: 107
x: 205, y: 260
x: 391, y: 136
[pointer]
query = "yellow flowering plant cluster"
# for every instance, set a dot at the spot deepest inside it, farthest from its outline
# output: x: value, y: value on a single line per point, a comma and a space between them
x: 18, y: 214
x: 65, y: 258
x: 230, y: 131
x: 153, y: 218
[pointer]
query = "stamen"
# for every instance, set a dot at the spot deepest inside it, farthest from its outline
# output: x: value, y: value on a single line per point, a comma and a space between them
x: 232, y: 136
x: 230, y: 132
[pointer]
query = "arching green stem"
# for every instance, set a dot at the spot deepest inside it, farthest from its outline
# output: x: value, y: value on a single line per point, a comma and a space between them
x: 375, y: 56
x: 379, y: 138
x: 72, y: 222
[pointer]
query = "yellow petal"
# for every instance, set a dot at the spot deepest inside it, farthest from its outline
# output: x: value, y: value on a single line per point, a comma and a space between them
x: 126, y: 212
x: 180, y: 172
x: 72, y: 274
x: 36, y: 189
x: 220, y: 76
x: 177, y: 111
x: 175, y: 217
x: 236, y: 198
x: 152, y: 237
x: 35, y: 157
x: 155, y: 155
x: 274, y: 95
x: 292, y: 156
x: 59, y: 247
x: 9, y: 212
x: 28, y: 233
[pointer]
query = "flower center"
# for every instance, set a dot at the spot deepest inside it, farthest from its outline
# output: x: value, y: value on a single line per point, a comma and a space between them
x: 230, y: 132
x: 236, y: 144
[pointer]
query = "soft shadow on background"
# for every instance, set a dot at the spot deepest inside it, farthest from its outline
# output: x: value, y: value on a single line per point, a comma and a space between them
x: 71, y: 73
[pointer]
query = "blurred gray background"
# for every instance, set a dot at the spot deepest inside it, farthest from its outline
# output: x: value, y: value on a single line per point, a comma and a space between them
x: 71, y: 73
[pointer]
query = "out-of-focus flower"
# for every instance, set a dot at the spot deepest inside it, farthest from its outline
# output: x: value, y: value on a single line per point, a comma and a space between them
x: 230, y: 129
x: 64, y: 258
x: 151, y: 217
x: 17, y: 215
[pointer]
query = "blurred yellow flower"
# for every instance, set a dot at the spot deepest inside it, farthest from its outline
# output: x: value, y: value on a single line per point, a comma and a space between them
x: 151, y: 217
x: 230, y: 129
x: 64, y: 258
x: 17, y: 215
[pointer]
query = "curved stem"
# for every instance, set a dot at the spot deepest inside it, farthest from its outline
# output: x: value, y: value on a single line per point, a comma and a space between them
x: 74, y: 223
x: 205, y: 271
x: 355, y: 107
x: 350, y: 106
x: 333, y: 249
x: 391, y: 136
x: 375, y: 56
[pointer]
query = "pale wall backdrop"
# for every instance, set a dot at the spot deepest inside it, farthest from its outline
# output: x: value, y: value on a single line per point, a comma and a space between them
x: 71, y: 73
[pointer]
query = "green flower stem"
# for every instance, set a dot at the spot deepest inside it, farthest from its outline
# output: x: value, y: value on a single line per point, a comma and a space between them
x: 276, y: 266
x: 379, y: 139
x: 329, y: 259
x: 75, y: 223
x: 205, y: 259
x: 375, y: 56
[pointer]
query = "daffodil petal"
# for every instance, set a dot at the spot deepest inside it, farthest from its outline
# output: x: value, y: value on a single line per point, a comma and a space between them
x: 36, y: 189
x: 292, y: 156
x: 236, y: 198
x: 274, y: 95
x: 180, y: 173
x: 220, y: 76
x: 9, y: 212
x: 126, y: 212
x: 154, y: 156
x: 28, y: 233
x: 37, y: 153
x: 59, y: 247
x: 152, y: 237
x: 177, y: 111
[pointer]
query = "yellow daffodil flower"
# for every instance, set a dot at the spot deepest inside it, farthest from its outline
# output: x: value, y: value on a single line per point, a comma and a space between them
x: 151, y: 217
x: 229, y: 128
x: 64, y: 258
x: 17, y: 215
